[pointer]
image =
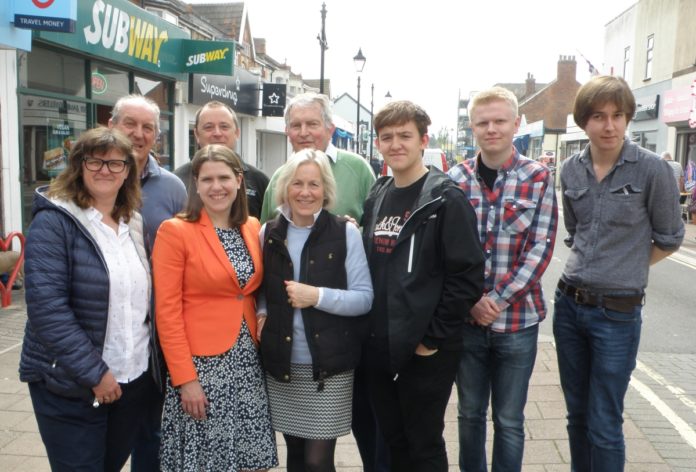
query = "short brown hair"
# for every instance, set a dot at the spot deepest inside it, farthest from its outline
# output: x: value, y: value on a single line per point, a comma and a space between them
x: 217, y: 153
x: 70, y: 186
x: 401, y: 112
x: 599, y: 91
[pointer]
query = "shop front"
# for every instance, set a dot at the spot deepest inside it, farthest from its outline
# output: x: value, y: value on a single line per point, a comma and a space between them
x: 259, y: 107
x: 11, y: 39
x: 679, y: 113
x: 69, y: 82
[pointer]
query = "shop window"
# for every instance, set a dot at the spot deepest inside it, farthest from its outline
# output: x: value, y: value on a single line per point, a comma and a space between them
x: 649, y: 56
x: 645, y: 139
x: 163, y: 146
x: 49, y: 127
x: 534, y: 148
x: 52, y: 72
x: 627, y: 64
x: 108, y: 83
x: 155, y: 90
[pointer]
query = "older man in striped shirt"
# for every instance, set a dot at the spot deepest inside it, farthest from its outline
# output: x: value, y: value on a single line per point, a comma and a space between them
x: 515, y: 205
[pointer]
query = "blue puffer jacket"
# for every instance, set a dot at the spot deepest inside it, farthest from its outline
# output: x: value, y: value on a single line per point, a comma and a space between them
x: 67, y: 293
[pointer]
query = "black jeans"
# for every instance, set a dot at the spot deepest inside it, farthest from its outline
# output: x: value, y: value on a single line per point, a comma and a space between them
x: 79, y: 437
x: 371, y: 445
x: 411, y: 408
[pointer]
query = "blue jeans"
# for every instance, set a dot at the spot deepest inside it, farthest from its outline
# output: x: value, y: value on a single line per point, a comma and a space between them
x: 597, y: 351
x: 495, y: 365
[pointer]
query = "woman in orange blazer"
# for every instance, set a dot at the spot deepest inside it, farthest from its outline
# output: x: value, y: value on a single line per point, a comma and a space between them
x: 207, y: 268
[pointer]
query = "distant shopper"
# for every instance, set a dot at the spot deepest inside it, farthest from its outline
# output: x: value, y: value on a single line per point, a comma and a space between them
x: 427, y: 272
x: 676, y: 168
x: 621, y: 211
x: 217, y: 123
x: 515, y: 203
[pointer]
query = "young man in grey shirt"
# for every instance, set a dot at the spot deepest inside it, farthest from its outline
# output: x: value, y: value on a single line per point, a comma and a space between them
x: 621, y: 210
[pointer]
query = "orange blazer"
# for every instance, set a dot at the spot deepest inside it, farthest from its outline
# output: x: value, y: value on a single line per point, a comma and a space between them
x: 198, y: 302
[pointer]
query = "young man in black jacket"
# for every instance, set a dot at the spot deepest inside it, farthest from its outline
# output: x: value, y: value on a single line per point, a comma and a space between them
x: 427, y: 272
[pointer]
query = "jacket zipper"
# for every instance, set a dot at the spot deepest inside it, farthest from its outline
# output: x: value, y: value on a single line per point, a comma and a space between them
x: 410, y: 253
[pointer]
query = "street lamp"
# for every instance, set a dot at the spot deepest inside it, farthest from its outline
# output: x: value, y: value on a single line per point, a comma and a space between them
x: 372, y: 108
x: 359, y: 61
x: 388, y: 96
x: 323, y: 45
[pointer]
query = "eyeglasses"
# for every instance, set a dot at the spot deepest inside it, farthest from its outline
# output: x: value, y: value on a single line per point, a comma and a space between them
x: 95, y: 165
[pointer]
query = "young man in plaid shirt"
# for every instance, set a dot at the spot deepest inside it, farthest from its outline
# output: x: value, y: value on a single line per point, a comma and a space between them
x: 515, y: 205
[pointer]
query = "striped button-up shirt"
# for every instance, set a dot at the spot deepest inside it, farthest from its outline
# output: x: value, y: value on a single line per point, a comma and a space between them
x: 517, y: 223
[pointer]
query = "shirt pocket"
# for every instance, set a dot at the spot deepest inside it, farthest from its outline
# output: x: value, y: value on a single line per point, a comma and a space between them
x: 517, y: 215
x: 624, y: 204
x: 580, y: 202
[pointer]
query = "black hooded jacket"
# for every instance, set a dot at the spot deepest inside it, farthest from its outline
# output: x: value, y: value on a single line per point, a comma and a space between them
x: 436, y: 268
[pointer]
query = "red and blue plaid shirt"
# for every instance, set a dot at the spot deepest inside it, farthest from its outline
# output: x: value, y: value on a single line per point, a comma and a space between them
x: 517, y: 223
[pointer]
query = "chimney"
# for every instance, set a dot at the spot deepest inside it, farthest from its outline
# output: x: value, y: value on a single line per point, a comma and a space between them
x: 566, y: 69
x: 529, y: 85
x: 260, y: 45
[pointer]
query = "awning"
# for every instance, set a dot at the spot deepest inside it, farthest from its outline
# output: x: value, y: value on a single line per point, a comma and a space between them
x: 521, y: 143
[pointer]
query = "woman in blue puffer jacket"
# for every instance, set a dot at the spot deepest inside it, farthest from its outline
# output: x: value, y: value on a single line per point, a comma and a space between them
x: 86, y: 344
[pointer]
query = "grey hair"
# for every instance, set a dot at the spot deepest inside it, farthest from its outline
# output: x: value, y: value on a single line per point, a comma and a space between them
x: 288, y: 170
x: 307, y: 99
x: 139, y: 99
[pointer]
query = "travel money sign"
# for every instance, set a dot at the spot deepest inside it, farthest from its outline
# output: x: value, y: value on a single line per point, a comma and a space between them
x: 120, y: 31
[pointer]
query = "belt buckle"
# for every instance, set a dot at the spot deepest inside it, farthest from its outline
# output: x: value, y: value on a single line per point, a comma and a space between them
x: 579, y: 299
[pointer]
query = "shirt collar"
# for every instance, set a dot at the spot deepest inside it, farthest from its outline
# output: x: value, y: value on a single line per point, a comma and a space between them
x: 284, y: 210
x: 332, y: 152
x: 629, y: 153
x: 507, y: 165
x: 95, y: 217
x: 151, y: 167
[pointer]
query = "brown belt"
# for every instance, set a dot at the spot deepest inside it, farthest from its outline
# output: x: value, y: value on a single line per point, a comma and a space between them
x: 622, y: 304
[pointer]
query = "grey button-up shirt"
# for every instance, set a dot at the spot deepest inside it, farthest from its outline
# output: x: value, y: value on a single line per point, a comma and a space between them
x: 613, y: 224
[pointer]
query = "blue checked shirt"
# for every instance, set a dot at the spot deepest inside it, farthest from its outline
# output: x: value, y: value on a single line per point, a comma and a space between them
x: 517, y: 223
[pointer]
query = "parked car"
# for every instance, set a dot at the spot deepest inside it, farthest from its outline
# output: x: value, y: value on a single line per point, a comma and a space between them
x: 431, y: 157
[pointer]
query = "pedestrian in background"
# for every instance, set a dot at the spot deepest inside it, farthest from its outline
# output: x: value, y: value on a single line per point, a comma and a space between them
x: 207, y: 267
x: 676, y: 169
x: 621, y: 211
x: 427, y: 272
x: 316, y: 286
x: 86, y: 344
x: 515, y: 204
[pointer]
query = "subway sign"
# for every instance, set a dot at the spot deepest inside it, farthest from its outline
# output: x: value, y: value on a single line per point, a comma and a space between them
x: 120, y: 31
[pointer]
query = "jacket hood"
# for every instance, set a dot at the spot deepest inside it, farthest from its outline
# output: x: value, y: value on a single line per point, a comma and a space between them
x: 42, y: 202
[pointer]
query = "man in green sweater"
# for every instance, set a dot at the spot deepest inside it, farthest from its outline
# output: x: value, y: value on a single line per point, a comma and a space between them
x: 309, y: 124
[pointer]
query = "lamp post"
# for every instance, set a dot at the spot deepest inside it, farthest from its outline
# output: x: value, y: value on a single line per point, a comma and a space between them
x: 388, y: 96
x: 359, y: 61
x: 372, y: 107
x: 323, y: 45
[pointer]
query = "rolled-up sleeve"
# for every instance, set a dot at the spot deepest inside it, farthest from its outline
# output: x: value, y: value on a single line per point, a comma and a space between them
x: 664, y: 210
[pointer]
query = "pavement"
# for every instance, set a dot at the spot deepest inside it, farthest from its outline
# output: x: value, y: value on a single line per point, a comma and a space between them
x: 546, y: 445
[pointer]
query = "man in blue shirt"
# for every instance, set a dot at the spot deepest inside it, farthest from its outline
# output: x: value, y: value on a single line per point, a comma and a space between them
x: 621, y: 210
